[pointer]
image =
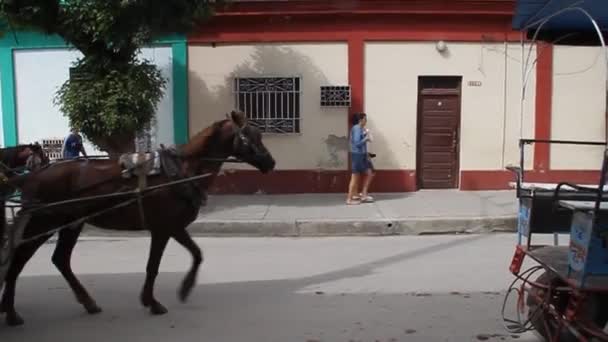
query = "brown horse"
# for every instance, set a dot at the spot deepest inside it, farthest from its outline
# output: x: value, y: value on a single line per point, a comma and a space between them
x: 166, y: 212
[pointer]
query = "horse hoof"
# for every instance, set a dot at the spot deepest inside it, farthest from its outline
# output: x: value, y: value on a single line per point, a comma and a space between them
x: 92, y: 309
x: 14, y: 320
x: 145, y: 301
x: 158, y: 309
x: 184, y: 293
x: 186, y: 289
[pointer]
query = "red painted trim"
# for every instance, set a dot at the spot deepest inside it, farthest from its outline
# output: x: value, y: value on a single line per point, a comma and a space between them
x: 542, y: 119
x: 308, y: 181
x: 313, y: 181
x: 210, y: 37
x: 318, y: 7
x: 343, y: 28
x: 356, y: 70
x: 499, y: 180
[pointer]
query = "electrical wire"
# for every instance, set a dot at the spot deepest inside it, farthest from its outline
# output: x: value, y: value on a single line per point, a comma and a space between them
x: 516, y: 326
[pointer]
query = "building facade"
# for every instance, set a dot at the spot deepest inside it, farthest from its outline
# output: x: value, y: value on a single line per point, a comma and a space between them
x: 33, y: 66
x: 440, y: 81
x: 441, y: 84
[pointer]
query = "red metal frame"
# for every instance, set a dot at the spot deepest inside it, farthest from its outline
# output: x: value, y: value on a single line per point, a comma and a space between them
x: 570, y: 318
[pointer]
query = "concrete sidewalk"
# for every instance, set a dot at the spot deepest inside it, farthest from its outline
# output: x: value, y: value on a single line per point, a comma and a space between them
x: 423, y: 212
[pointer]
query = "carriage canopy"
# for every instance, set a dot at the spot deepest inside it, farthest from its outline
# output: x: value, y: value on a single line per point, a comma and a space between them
x: 569, y: 24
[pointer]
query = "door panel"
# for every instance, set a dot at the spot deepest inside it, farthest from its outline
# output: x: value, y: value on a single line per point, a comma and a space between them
x: 438, y: 132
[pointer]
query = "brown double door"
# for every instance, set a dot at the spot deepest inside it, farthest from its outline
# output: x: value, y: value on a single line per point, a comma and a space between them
x: 438, y: 141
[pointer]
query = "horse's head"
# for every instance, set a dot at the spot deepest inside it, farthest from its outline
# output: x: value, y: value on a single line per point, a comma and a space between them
x: 247, y: 144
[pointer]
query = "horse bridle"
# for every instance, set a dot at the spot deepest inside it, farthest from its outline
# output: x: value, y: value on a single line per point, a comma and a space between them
x: 240, y: 137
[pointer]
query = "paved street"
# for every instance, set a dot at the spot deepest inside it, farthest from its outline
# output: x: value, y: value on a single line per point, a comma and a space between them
x: 407, y: 288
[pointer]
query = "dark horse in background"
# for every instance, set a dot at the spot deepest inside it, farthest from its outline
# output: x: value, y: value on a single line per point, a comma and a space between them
x: 13, y: 161
x: 17, y: 159
x: 167, y: 212
x: 20, y: 158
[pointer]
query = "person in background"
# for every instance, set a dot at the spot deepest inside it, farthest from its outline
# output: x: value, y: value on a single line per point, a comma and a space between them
x: 72, y: 145
x: 360, y: 161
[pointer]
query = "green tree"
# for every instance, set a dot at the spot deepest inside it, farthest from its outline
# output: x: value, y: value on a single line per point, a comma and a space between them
x: 112, y: 94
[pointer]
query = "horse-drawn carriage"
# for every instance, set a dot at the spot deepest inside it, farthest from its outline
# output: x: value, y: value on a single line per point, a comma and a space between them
x: 568, y: 301
x: 159, y: 191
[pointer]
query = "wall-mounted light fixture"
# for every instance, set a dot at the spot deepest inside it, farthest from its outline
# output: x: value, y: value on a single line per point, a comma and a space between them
x: 441, y: 46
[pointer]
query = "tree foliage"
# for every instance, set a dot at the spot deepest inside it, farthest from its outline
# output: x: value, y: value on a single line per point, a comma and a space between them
x: 119, y: 93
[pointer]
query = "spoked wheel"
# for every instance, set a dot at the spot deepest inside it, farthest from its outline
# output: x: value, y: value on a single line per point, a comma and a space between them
x: 593, y: 310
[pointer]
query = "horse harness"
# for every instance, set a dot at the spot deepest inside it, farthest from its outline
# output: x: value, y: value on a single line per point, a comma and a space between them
x: 164, y: 161
x: 168, y: 162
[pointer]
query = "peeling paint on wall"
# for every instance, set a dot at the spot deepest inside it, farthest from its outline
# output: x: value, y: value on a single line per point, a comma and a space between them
x: 337, y: 147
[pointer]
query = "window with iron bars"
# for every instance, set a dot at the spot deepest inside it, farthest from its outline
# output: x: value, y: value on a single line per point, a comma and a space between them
x: 271, y: 103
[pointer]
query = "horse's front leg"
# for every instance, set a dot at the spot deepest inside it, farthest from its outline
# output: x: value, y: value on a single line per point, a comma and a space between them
x: 61, y: 258
x: 157, y: 248
x: 184, y: 239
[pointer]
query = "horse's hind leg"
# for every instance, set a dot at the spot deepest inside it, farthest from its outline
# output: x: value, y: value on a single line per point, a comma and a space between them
x: 22, y: 255
x: 61, y: 258
x: 184, y: 239
x: 157, y: 248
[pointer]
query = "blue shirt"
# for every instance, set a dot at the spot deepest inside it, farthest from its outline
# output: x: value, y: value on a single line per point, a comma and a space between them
x: 358, y: 140
x: 72, y: 146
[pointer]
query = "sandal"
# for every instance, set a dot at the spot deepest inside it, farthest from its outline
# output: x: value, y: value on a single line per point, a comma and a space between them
x: 353, y: 202
x: 367, y: 199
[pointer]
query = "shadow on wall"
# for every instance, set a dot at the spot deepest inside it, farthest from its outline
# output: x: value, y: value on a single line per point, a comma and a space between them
x: 211, y: 103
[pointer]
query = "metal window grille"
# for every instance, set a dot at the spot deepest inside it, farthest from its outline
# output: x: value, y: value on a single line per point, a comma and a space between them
x: 271, y: 103
x: 52, y: 147
x: 335, y: 96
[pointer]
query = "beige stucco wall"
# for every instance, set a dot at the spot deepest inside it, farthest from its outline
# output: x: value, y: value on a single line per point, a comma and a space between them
x: 322, y: 142
x: 490, y: 114
x: 578, y: 106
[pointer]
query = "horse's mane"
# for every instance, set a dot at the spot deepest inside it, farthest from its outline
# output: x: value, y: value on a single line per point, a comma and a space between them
x: 201, y: 140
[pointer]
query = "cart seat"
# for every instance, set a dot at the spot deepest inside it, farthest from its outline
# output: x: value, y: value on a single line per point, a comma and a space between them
x: 547, y: 186
x: 547, y: 191
x: 553, y: 214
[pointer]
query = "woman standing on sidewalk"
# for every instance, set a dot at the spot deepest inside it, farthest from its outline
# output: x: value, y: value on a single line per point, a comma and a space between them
x: 360, y: 161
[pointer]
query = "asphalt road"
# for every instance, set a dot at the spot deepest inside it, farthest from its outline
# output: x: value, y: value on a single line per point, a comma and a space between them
x: 417, y: 288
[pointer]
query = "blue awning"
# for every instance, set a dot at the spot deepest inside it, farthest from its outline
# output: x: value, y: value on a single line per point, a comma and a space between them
x: 571, y: 28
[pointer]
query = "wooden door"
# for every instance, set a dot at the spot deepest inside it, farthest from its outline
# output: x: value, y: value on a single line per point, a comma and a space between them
x: 438, y: 164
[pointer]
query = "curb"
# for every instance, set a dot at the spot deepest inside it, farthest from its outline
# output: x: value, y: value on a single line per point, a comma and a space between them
x: 324, y: 227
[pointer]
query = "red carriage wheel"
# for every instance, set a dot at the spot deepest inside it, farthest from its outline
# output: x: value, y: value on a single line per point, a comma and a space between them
x: 592, y: 313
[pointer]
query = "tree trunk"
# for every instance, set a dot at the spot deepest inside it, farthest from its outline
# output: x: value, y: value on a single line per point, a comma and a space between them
x: 116, y: 145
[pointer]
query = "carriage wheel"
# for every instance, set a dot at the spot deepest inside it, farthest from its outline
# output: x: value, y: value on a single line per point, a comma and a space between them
x: 593, y: 309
